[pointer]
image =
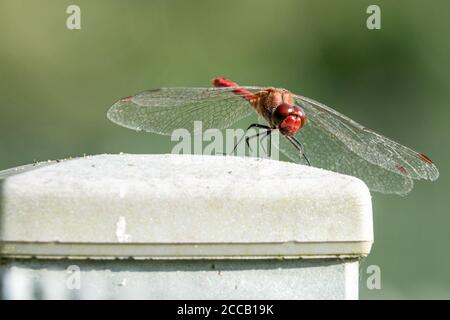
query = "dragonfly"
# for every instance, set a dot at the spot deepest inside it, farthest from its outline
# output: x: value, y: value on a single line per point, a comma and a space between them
x: 311, y: 132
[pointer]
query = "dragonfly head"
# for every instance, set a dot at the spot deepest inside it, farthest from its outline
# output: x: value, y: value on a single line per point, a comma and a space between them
x: 288, y: 118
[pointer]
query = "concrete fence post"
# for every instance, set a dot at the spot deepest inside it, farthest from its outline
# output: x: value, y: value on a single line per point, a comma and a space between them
x: 181, y: 227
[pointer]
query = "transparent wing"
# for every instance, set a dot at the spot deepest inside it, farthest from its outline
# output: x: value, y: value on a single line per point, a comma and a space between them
x: 324, y: 151
x: 166, y: 109
x: 334, y: 141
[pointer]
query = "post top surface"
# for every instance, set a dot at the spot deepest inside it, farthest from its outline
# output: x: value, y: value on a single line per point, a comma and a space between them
x: 182, y: 205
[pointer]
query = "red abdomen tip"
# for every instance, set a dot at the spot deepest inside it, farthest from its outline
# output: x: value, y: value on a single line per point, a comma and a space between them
x: 222, y: 82
x: 425, y: 158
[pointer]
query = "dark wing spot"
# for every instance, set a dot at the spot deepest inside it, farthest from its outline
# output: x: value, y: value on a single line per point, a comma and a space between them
x: 402, y: 170
x: 425, y: 158
x: 126, y: 99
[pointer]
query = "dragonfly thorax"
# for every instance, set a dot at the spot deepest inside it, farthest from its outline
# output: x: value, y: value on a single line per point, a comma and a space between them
x: 277, y: 106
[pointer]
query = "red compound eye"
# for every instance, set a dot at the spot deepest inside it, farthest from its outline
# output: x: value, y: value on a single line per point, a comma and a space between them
x: 288, y: 118
x: 290, y: 125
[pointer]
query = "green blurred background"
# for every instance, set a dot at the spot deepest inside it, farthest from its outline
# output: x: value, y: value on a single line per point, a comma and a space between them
x: 56, y: 85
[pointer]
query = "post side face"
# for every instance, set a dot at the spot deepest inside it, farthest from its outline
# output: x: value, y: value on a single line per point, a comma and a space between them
x: 179, y: 279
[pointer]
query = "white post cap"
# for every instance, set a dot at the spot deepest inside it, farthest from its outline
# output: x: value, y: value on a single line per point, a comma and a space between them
x: 182, y: 206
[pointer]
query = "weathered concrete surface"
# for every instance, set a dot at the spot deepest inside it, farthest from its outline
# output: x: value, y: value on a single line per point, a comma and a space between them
x: 195, y: 227
x: 174, y: 206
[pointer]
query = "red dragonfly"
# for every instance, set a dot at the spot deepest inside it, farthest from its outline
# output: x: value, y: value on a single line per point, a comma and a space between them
x: 314, y: 133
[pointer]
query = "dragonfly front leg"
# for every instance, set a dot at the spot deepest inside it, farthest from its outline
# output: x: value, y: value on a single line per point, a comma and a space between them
x: 264, y: 134
x: 299, y: 146
x: 254, y: 125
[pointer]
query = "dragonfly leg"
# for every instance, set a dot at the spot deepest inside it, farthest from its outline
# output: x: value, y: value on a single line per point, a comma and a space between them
x: 254, y: 125
x: 264, y: 134
x: 299, y: 146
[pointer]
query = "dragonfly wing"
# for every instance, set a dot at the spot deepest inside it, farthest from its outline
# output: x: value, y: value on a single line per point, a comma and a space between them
x: 166, y: 109
x: 324, y: 151
x: 364, y: 143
